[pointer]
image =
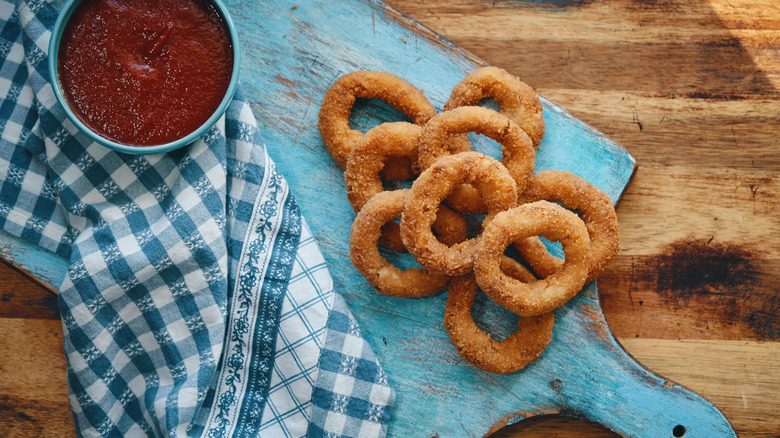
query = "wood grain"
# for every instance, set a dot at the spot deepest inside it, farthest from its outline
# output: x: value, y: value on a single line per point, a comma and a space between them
x: 691, y: 90
x: 35, y: 401
x: 22, y: 298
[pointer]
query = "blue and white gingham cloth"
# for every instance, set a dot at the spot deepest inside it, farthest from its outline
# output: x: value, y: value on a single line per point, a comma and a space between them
x: 196, y: 302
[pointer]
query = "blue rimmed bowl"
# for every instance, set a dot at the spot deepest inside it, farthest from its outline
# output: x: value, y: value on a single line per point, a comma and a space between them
x: 54, y: 47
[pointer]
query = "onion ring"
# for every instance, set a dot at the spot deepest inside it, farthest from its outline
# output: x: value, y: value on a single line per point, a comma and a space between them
x: 596, y: 210
x: 383, y: 276
x: 336, y: 107
x: 388, y: 140
x: 534, y: 219
x: 516, y: 270
x: 516, y: 100
x: 368, y: 158
x: 449, y: 227
x: 369, y: 155
x: 494, y: 183
x: 478, y: 348
x: 518, y: 152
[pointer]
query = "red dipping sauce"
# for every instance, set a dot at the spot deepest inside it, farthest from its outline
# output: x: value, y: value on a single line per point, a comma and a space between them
x: 145, y: 72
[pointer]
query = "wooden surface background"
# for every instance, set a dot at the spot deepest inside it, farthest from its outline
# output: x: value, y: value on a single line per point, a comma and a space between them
x: 691, y: 90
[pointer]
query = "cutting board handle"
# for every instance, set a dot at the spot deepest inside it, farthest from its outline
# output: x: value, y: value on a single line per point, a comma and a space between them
x: 594, y: 379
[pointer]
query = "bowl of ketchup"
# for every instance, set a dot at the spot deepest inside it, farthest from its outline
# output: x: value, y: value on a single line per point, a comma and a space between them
x: 144, y: 76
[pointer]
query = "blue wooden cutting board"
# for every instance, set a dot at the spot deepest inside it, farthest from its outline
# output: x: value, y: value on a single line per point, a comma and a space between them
x: 292, y: 55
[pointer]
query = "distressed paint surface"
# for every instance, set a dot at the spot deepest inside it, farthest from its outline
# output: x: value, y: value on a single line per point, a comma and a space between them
x: 44, y: 266
x: 292, y: 54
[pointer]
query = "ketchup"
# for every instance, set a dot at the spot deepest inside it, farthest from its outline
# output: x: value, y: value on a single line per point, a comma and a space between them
x: 145, y: 72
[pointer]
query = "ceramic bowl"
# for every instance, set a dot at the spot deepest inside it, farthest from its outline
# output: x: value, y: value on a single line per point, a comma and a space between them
x: 54, y: 46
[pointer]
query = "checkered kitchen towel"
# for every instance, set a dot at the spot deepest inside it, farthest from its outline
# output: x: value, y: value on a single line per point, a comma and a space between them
x: 196, y: 302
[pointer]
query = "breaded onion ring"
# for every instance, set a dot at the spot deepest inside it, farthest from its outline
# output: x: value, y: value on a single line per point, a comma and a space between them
x: 369, y: 155
x: 494, y: 183
x: 367, y: 160
x: 478, y: 348
x: 596, y: 211
x: 518, y: 152
x: 516, y: 270
x: 386, y: 278
x: 449, y: 227
x: 535, y: 219
x: 334, y: 127
x: 517, y: 101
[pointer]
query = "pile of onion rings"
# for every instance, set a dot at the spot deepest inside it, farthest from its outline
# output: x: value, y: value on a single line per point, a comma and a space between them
x: 450, y: 180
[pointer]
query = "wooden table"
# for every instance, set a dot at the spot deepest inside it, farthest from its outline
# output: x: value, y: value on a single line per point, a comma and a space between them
x: 690, y: 88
